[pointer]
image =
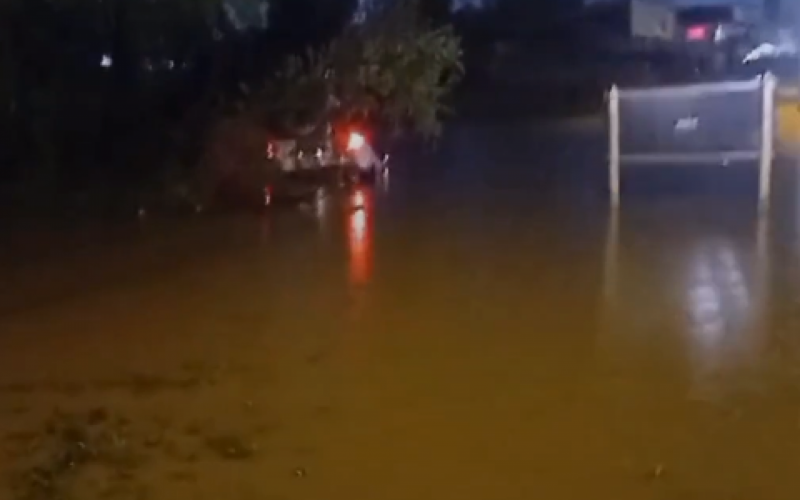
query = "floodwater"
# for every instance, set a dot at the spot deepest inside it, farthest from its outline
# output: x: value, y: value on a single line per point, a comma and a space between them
x: 484, y: 328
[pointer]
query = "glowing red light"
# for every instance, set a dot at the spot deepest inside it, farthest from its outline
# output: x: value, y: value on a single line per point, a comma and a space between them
x: 699, y: 32
x: 360, y: 240
x: 356, y: 141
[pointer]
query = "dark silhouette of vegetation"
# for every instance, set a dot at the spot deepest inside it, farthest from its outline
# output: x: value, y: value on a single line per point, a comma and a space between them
x: 112, y: 96
x: 394, y: 70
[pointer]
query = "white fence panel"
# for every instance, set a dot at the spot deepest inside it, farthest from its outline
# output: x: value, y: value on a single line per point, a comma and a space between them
x: 708, y: 123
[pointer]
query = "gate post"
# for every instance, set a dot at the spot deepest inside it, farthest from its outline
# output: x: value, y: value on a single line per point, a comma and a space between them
x: 613, y: 145
x: 767, y: 142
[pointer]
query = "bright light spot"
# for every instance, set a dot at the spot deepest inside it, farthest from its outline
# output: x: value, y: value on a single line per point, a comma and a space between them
x: 720, y: 34
x: 706, y: 311
x: 358, y: 199
x: 106, y: 61
x: 356, y: 141
x: 763, y: 50
x: 360, y: 248
x: 769, y: 50
x: 358, y: 225
x: 697, y: 33
x: 719, y: 298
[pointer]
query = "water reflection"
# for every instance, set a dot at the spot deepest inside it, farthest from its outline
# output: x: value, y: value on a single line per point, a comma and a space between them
x: 383, y: 181
x: 359, y: 239
x: 321, y: 205
x: 718, y: 284
x: 718, y: 299
x: 610, y: 258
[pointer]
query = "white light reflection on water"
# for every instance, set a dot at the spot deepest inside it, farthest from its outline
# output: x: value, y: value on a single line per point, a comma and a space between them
x: 725, y: 300
x: 722, y: 297
x: 321, y: 207
x: 718, y: 299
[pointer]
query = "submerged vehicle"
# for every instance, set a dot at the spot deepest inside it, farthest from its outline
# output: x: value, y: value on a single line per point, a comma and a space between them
x: 327, y: 141
x: 349, y: 151
x: 310, y: 164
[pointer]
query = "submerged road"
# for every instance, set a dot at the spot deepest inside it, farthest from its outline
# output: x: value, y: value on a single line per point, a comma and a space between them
x: 482, y: 329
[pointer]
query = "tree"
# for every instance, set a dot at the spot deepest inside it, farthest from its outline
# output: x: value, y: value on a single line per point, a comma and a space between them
x: 398, y: 68
x: 394, y: 69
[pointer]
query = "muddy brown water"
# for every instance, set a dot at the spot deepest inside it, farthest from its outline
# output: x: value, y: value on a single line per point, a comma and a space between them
x: 490, y: 333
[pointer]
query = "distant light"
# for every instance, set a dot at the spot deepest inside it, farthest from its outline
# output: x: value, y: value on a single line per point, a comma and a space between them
x: 355, y: 142
x: 763, y: 50
x: 697, y: 33
x: 358, y: 225
x: 769, y: 50
x: 106, y: 61
x: 720, y: 34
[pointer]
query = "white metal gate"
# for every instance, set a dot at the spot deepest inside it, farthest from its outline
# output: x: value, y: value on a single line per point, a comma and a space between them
x: 708, y: 123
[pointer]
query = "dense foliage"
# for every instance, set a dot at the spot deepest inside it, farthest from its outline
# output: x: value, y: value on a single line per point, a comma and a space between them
x: 394, y: 69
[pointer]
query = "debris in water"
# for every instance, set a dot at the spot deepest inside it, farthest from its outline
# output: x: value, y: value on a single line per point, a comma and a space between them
x: 656, y: 473
x: 66, y: 444
x: 231, y: 447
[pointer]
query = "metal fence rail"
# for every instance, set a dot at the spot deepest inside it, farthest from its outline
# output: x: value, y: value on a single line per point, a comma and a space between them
x: 708, y: 123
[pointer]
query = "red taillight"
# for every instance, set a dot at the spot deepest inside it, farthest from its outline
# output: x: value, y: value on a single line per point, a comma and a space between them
x: 355, y: 141
x: 697, y: 33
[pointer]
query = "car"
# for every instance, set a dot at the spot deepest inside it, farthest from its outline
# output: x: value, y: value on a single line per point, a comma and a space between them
x: 354, y: 158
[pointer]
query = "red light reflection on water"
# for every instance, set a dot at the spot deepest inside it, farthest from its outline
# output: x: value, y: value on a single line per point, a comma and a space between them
x: 359, y: 242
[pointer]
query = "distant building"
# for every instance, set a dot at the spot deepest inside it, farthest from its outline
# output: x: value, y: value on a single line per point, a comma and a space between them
x: 637, y: 25
x: 719, y: 36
